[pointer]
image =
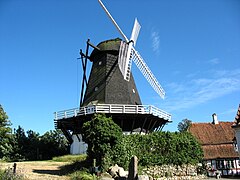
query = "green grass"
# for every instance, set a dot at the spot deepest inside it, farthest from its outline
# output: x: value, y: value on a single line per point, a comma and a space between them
x: 77, y: 167
x: 82, y: 175
x: 7, y: 174
x: 70, y: 158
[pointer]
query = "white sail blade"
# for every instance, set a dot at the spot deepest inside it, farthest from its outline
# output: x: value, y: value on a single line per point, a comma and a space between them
x: 135, y: 31
x: 147, y: 73
x: 124, y: 59
x: 113, y: 21
x: 125, y: 52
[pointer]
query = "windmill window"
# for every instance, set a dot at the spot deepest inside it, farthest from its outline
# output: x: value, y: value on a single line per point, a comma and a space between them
x: 133, y: 91
x: 96, y: 88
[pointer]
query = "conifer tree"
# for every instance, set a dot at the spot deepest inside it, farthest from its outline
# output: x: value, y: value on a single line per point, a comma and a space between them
x: 5, y: 134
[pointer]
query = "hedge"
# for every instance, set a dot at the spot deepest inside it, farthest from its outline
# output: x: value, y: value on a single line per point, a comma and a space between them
x: 108, y: 146
x: 158, y: 148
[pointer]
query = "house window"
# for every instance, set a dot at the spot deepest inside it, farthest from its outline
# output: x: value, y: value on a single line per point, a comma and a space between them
x: 220, y: 164
x: 230, y: 164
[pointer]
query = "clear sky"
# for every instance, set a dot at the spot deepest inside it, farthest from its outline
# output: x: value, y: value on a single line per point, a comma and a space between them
x: 191, y: 46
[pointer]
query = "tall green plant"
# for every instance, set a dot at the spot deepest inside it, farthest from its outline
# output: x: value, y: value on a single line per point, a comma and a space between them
x: 160, y: 148
x: 5, y: 134
x: 184, y: 125
x: 32, y: 146
x: 53, y: 143
x: 102, y: 135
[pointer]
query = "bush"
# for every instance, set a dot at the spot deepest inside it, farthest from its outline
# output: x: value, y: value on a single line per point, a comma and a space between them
x: 108, y: 146
x: 9, y: 175
x: 102, y: 135
x: 81, y: 175
x: 158, y: 148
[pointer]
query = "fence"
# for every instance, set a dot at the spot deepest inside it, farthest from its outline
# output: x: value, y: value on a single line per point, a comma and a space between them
x: 113, y: 108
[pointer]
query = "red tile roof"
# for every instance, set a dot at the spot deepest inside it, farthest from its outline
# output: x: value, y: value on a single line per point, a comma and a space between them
x: 208, y: 133
x: 216, y: 139
x: 219, y: 151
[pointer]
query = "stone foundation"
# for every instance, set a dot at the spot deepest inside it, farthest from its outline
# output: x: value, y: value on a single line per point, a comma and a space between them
x: 171, y: 172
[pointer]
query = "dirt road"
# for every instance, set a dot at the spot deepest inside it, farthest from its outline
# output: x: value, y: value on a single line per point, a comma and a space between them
x: 38, y: 169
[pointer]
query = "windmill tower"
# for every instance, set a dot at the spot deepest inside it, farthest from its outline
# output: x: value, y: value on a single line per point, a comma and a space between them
x: 111, y: 89
x: 106, y: 84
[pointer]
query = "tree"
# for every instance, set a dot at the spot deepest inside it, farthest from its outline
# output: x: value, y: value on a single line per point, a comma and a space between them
x: 5, y: 134
x: 184, y: 125
x: 53, y: 143
x: 18, y: 142
x: 101, y: 134
x: 32, y: 146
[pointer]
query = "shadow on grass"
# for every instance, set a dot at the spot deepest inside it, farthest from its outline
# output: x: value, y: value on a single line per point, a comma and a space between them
x: 66, y: 169
x: 50, y: 172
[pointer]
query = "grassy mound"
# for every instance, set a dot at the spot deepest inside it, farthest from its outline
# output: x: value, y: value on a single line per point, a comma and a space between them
x: 70, y: 158
x: 77, y: 168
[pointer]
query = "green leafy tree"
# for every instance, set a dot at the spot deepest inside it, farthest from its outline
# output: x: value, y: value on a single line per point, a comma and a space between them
x: 32, y: 145
x: 102, y: 135
x: 18, y: 142
x: 53, y: 143
x: 5, y: 134
x: 184, y: 125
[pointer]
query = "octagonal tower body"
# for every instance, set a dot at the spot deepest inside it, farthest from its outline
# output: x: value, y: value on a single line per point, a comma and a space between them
x: 106, y: 84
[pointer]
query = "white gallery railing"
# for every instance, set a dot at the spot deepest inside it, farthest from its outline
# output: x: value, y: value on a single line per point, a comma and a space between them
x: 113, y: 108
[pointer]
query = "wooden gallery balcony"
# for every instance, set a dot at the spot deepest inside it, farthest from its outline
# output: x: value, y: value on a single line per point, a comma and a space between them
x: 146, y: 118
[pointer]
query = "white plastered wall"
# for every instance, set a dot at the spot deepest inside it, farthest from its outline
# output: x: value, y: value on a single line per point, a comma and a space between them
x: 78, y: 147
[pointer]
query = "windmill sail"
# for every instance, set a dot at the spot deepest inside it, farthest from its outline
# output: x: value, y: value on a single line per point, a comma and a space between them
x: 138, y: 60
x: 124, y: 60
x: 135, y: 32
x: 127, y: 53
x: 113, y: 21
x: 125, y: 67
x: 133, y: 41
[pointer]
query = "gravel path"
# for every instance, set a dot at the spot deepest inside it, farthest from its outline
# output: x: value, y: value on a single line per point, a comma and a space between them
x: 38, y: 169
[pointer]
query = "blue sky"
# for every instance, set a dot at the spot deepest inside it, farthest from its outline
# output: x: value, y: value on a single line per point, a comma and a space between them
x: 191, y: 46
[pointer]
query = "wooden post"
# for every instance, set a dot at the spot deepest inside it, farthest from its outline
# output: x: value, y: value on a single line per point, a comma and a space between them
x: 94, y: 169
x: 133, y: 168
x: 14, y: 168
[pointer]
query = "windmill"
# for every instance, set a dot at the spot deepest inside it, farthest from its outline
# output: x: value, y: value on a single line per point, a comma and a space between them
x: 110, y: 89
x: 127, y: 54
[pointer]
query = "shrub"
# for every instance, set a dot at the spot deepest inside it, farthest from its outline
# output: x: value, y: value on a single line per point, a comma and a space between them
x: 108, y: 146
x: 102, y: 135
x: 81, y: 175
x: 159, y: 148
x: 9, y: 175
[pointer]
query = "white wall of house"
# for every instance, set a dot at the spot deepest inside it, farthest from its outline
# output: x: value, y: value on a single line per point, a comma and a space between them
x: 237, y: 135
x: 78, y: 147
x: 225, y: 166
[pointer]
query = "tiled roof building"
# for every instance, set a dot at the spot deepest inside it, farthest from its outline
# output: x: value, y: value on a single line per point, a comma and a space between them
x: 216, y: 139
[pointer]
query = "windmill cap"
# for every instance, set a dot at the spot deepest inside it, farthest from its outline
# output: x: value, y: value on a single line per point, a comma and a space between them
x: 108, y: 45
